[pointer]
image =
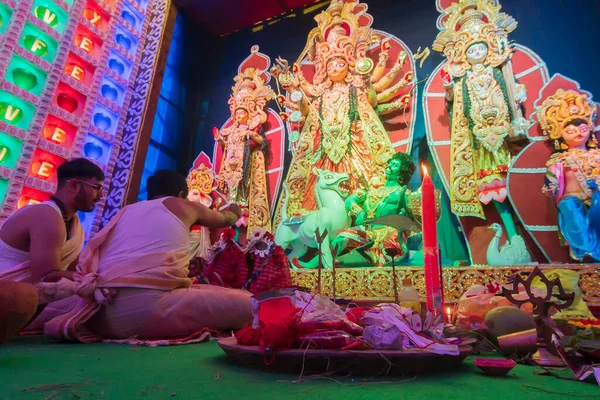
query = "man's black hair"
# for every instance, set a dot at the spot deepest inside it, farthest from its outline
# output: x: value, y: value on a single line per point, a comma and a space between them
x: 78, y: 168
x: 166, y: 183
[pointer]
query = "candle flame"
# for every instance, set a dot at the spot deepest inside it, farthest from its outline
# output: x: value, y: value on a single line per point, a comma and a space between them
x: 424, y: 168
x: 448, y: 311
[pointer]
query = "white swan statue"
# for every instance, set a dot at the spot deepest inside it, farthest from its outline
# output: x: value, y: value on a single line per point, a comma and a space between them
x: 513, y: 252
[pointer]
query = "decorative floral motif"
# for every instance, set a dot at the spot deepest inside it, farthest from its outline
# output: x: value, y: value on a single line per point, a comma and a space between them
x: 377, y: 283
x: 137, y: 101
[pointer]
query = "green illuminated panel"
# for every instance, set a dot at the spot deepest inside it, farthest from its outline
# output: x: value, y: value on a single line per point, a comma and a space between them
x: 26, y: 75
x: 37, y: 42
x: 5, y: 14
x: 10, y: 149
x: 3, y: 189
x: 50, y: 14
x: 15, y: 111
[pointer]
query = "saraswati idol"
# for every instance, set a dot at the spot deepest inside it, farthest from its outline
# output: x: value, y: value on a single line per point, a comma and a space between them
x: 485, y: 111
x: 242, y: 176
x: 339, y: 106
x: 573, y: 170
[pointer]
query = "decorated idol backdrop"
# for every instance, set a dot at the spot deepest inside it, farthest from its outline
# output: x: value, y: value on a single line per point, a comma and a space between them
x: 418, y: 46
x: 68, y: 71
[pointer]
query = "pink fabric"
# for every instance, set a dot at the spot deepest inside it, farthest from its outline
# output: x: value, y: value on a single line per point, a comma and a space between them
x: 14, y: 264
x: 133, y: 281
x: 196, y: 337
x: 154, y: 314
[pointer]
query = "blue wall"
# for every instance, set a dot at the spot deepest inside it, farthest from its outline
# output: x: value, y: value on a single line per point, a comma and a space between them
x: 182, y: 102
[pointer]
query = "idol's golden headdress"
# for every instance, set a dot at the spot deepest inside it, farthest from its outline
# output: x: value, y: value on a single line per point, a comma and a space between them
x: 201, y: 179
x: 471, y: 21
x: 251, y: 94
x: 557, y: 111
x: 343, y: 31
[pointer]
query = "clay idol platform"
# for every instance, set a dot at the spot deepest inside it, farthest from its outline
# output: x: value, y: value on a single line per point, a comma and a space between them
x: 376, y: 284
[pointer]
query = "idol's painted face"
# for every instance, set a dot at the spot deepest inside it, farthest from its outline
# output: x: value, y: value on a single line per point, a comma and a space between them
x: 194, y: 196
x: 337, y: 69
x: 393, y: 168
x: 476, y: 53
x: 576, y: 135
x: 241, y: 116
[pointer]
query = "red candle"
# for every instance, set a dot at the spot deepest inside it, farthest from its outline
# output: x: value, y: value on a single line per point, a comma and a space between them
x: 433, y: 283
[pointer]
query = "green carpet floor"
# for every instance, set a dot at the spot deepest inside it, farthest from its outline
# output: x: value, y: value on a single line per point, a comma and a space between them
x: 32, y: 367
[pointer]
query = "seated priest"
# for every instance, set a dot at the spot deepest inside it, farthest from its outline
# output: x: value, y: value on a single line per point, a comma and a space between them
x: 132, y: 278
x: 39, y: 242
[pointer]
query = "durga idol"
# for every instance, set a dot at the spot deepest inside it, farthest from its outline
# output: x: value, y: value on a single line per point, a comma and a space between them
x: 573, y: 170
x: 341, y: 132
x: 242, y: 176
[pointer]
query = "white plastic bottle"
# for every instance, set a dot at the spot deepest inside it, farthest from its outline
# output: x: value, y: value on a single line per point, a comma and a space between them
x: 409, y: 297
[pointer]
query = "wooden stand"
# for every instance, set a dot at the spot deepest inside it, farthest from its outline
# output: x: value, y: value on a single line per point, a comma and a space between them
x: 545, y: 327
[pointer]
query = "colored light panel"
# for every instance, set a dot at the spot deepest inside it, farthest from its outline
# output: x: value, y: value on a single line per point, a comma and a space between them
x: 75, y: 71
x: 3, y: 188
x: 10, y: 149
x: 43, y: 169
x: 15, y: 111
x: 119, y: 65
x: 96, y: 15
x: 37, y: 42
x: 5, y: 15
x: 86, y: 220
x: 30, y: 196
x: 4, y: 152
x: 96, y: 149
x: 44, y: 165
x: 131, y: 16
x: 88, y: 42
x: 50, y: 14
x: 59, y: 132
x: 104, y: 119
x: 25, y: 75
x: 142, y: 3
x: 112, y: 91
x: 126, y: 40
x: 79, y: 69
x: 69, y: 99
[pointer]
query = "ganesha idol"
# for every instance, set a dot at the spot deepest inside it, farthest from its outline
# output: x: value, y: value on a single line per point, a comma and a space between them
x: 201, y: 184
x: 573, y: 171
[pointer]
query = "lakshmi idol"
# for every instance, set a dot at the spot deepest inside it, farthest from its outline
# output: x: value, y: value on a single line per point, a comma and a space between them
x: 573, y: 170
x: 242, y: 176
x: 342, y: 131
x: 484, y: 104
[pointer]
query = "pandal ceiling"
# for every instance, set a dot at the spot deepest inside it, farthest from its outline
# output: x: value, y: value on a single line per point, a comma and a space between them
x: 221, y: 17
